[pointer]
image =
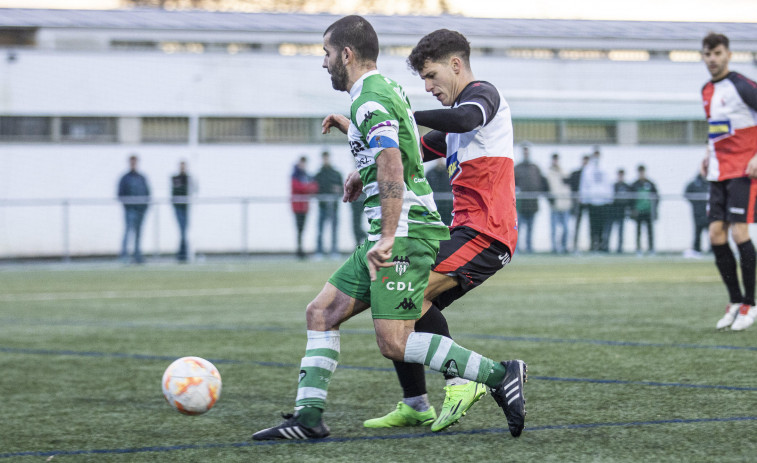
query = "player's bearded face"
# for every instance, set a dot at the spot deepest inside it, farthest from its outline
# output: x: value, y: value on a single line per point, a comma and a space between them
x: 339, y: 76
x: 333, y: 64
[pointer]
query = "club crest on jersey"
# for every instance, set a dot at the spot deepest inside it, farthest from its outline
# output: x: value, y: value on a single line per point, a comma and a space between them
x: 401, y: 264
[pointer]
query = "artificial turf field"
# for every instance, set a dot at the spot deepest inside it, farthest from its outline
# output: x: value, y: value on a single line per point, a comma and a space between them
x: 624, y: 364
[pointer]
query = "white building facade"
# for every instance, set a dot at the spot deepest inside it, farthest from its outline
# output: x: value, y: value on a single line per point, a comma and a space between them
x: 240, y: 97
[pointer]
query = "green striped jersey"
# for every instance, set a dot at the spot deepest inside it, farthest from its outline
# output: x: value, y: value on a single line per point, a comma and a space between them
x: 380, y: 117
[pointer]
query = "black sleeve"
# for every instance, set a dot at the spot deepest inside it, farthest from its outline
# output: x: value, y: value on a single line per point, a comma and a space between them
x: 434, y: 145
x: 456, y: 120
x: 747, y: 89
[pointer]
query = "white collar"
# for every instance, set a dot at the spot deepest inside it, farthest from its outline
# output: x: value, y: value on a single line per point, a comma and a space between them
x: 357, y: 87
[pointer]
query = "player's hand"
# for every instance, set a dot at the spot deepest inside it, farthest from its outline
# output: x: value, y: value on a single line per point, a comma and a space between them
x: 335, y: 120
x: 705, y: 163
x: 353, y: 186
x: 378, y: 256
x: 751, y: 167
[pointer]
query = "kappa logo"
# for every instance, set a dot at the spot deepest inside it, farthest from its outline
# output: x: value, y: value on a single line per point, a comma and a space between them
x: 450, y: 368
x: 406, y: 304
x: 401, y: 264
x: 303, y: 373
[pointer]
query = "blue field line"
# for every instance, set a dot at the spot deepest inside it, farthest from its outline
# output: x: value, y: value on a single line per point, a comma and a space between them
x: 328, y: 440
x: 371, y: 332
x: 170, y: 358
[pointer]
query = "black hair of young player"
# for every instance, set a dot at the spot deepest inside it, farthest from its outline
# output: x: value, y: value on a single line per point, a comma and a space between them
x: 437, y: 46
x: 356, y: 33
x: 713, y: 39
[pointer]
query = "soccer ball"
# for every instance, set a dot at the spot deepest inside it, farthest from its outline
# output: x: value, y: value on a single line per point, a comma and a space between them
x: 191, y: 385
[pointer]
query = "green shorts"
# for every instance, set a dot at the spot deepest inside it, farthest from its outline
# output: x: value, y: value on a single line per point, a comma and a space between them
x: 398, y: 291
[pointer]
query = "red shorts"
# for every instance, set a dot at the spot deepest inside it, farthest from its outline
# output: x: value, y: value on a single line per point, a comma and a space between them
x: 470, y: 257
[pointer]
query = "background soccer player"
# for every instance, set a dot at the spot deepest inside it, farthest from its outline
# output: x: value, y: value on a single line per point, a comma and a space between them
x: 730, y: 102
x: 404, y: 230
x: 476, y: 138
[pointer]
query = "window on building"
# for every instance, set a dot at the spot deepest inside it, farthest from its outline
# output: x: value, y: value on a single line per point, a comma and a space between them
x: 536, y: 131
x: 663, y: 132
x: 589, y: 132
x: 165, y: 129
x: 228, y: 130
x: 286, y: 130
x: 25, y: 129
x: 89, y: 129
x: 699, y: 131
x: 17, y: 36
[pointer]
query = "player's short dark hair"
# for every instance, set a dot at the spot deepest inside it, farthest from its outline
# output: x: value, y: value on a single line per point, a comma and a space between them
x: 437, y: 46
x: 713, y: 39
x: 356, y: 33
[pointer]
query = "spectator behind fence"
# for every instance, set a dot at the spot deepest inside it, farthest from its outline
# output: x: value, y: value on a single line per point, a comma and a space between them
x: 302, y: 185
x: 621, y: 206
x: 596, y: 192
x: 644, y: 208
x: 134, y: 194
x: 330, y: 194
x: 696, y: 192
x: 529, y: 182
x: 560, y: 204
x: 578, y: 207
x: 181, y: 189
x: 439, y: 180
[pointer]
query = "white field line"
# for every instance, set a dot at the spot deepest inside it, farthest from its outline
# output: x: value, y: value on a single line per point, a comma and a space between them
x: 601, y: 280
x: 153, y: 294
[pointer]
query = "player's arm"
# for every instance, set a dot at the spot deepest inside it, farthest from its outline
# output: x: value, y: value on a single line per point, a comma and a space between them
x: 353, y: 186
x: 747, y: 90
x: 434, y: 145
x: 391, y: 186
x: 335, y: 120
x: 462, y: 119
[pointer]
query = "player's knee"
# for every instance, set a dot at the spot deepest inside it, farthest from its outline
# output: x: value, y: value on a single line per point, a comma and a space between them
x: 315, y: 315
x: 390, y: 348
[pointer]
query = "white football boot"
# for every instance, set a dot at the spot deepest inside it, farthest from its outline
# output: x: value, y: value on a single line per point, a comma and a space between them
x: 731, y: 310
x: 745, y: 318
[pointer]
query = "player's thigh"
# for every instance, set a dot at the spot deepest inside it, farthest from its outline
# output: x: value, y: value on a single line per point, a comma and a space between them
x: 397, y: 292
x: 391, y: 336
x: 330, y: 308
x: 439, y: 283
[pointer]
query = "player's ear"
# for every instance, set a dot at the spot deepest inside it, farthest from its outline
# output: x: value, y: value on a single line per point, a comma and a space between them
x: 456, y: 64
x: 347, y: 55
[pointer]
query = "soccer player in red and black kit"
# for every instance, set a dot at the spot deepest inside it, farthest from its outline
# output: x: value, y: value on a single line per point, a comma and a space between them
x: 476, y: 138
x: 730, y: 102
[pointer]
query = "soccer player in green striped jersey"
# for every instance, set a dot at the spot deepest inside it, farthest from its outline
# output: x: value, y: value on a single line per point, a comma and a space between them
x: 389, y: 272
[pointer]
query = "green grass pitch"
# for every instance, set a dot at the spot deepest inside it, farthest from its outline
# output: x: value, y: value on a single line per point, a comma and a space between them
x: 624, y: 364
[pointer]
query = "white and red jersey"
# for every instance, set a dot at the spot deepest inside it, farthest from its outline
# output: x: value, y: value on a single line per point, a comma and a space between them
x: 731, y: 108
x: 480, y: 167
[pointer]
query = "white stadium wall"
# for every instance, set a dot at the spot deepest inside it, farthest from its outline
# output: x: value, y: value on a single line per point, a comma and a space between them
x: 47, y: 82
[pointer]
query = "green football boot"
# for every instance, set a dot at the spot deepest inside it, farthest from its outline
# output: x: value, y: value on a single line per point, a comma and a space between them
x: 457, y: 401
x: 404, y: 415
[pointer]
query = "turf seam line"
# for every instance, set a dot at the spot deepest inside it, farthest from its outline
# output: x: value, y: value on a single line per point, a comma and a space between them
x: 10, y: 350
x: 170, y: 448
x: 495, y: 337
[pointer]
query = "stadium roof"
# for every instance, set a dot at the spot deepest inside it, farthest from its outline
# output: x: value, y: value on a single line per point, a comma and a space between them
x: 155, y: 19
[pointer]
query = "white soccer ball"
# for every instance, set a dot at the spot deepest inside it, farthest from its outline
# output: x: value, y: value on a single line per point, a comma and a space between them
x: 191, y: 385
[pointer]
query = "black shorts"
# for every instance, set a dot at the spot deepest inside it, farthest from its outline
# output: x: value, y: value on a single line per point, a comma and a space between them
x: 470, y: 257
x: 733, y: 200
